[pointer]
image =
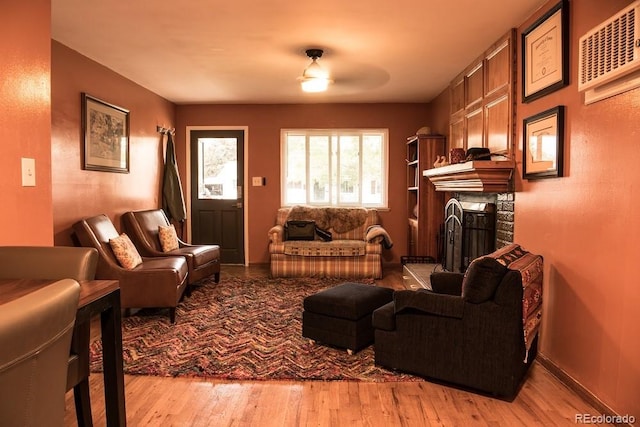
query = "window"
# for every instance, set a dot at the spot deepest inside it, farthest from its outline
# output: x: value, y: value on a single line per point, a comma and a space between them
x: 333, y: 167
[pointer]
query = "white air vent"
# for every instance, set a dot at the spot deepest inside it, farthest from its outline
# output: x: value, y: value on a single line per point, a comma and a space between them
x: 609, y: 54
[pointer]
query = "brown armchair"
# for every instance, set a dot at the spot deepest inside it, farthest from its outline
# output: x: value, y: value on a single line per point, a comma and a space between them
x: 477, y: 330
x: 142, y: 228
x: 156, y: 282
x: 35, y: 334
x: 59, y: 262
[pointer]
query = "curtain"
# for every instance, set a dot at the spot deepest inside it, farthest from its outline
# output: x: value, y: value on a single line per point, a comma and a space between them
x: 172, y: 197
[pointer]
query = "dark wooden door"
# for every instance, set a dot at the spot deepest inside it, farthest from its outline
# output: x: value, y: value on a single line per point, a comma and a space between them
x: 217, y: 187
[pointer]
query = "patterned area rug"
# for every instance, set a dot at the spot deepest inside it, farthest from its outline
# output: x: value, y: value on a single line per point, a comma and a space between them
x: 240, y: 329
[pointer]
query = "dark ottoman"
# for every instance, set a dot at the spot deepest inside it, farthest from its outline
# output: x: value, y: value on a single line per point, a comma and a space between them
x: 341, y: 316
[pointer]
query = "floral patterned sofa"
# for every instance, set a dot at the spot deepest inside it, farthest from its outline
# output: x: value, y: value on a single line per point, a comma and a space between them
x: 355, y: 250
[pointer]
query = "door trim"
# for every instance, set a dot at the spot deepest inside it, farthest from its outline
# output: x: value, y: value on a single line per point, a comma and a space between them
x: 245, y: 193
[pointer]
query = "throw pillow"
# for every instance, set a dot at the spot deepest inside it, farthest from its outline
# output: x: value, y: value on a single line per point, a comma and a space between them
x: 125, y: 252
x: 168, y: 238
x: 481, y: 279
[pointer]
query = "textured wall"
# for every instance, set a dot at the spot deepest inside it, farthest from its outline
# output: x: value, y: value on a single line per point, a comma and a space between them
x: 265, y: 122
x: 78, y: 193
x: 585, y: 227
x: 25, y: 108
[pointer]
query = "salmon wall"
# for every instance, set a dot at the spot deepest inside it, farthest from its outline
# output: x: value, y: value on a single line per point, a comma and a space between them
x: 25, y: 107
x: 264, y: 124
x: 585, y: 225
x: 79, y: 193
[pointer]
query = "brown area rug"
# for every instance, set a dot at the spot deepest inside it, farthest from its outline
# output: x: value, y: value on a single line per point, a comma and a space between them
x: 240, y: 329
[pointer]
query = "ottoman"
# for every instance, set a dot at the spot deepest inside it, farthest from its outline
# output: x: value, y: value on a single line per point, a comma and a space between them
x: 341, y: 316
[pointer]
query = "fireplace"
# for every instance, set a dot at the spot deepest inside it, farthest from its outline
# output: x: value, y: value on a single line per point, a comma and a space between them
x: 469, y: 232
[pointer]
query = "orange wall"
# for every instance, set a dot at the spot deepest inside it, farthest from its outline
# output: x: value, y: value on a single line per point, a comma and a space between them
x: 585, y: 226
x: 264, y: 123
x: 25, y: 107
x: 78, y: 193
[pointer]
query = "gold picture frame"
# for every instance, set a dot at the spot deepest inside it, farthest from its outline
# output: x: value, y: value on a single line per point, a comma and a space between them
x: 545, y: 53
x: 106, y: 135
x: 543, y: 145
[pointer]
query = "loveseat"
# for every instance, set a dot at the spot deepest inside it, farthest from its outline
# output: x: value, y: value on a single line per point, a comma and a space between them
x: 354, y: 251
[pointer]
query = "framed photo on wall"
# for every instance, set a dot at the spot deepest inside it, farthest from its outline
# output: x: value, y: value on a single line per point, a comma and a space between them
x: 543, y: 145
x: 106, y: 136
x: 545, y: 53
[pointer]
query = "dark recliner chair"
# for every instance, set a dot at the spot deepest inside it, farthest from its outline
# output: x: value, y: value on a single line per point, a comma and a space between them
x: 157, y: 282
x: 470, y: 330
x: 142, y: 228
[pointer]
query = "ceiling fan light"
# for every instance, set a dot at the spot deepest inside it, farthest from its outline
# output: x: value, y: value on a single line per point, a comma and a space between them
x: 314, y: 78
x: 314, y: 84
x: 314, y: 70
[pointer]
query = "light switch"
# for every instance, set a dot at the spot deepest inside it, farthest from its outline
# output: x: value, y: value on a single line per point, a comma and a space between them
x: 28, y: 172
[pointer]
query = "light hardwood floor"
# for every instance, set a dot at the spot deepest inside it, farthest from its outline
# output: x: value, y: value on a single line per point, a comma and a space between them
x: 154, y: 401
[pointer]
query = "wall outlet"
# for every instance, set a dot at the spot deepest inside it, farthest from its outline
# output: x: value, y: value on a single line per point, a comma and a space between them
x: 28, y: 172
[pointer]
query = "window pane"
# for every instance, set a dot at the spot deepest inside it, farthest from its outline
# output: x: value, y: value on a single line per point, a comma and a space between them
x: 334, y: 167
x: 296, y: 172
x: 372, y: 169
x: 218, y: 168
x: 319, y: 169
x: 349, y: 170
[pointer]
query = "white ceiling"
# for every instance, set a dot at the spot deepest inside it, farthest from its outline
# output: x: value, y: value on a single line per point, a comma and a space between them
x: 252, y: 51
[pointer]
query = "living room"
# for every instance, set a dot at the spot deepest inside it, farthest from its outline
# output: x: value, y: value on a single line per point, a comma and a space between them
x: 589, y: 250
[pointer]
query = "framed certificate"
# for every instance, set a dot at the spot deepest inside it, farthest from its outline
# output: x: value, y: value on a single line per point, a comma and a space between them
x: 545, y: 53
x: 543, y: 145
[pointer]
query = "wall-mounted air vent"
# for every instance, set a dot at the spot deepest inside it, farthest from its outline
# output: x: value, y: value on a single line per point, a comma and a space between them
x: 609, y: 55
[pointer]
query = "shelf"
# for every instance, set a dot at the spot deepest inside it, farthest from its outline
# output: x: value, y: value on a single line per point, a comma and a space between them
x: 486, y: 176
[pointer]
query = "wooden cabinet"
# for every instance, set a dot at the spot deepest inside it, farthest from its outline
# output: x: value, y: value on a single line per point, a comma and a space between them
x: 425, y: 206
x: 483, y: 101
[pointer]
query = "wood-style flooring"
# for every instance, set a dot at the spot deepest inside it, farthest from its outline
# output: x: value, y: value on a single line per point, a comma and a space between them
x: 153, y: 401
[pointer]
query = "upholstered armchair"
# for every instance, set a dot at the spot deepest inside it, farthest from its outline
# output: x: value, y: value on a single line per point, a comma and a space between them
x: 478, y: 330
x: 59, y: 262
x: 155, y: 282
x: 143, y: 228
x: 35, y: 336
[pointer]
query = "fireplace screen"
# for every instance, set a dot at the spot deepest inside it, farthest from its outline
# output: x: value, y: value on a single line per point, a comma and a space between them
x: 469, y: 232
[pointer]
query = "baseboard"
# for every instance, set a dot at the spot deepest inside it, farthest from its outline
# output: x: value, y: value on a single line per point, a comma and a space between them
x: 573, y: 385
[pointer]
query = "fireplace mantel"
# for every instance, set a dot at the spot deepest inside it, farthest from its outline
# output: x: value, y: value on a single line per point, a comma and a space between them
x: 485, y: 176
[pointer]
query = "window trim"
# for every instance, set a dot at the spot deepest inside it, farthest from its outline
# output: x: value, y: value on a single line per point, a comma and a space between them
x: 336, y: 132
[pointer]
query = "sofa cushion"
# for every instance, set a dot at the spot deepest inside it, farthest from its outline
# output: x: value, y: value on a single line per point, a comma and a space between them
x: 125, y: 252
x: 482, y: 279
x: 168, y: 238
x: 319, y: 248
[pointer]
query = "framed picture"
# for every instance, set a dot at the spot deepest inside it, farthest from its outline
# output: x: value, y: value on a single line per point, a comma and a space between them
x: 543, y: 146
x: 545, y: 53
x: 106, y: 136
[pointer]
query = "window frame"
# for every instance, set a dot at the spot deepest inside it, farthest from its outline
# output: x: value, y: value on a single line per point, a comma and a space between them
x: 332, y: 133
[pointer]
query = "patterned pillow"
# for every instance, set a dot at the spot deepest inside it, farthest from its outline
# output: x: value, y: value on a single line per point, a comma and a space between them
x: 168, y: 238
x: 125, y: 252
